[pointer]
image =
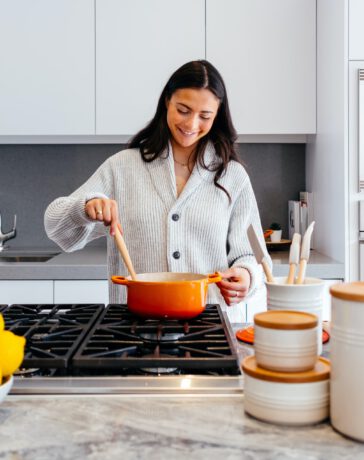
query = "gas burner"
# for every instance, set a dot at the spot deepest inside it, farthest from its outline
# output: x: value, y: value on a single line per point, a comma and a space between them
x: 120, y: 340
x: 159, y: 370
x: 52, y: 332
x: 161, y: 337
x: 90, y: 340
x: 26, y: 372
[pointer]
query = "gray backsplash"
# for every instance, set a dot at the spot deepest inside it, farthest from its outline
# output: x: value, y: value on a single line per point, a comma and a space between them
x: 31, y: 176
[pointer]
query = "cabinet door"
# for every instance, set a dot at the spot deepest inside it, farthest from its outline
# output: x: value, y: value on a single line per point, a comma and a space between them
x: 266, y: 52
x: 138, y: 46
x: 28, y: 291
x: 356, y: 29
x: 81, y: 291
x: 47, y: 73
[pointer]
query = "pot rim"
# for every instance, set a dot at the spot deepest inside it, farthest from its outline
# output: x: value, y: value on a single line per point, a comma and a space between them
x: 197, y: 277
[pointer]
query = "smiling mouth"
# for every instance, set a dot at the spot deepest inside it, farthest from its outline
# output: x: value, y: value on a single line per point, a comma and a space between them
x: 187, y: 133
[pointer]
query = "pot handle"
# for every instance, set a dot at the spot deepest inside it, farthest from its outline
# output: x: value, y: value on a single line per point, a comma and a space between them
x: 213, y: 278
x: 120, y: 280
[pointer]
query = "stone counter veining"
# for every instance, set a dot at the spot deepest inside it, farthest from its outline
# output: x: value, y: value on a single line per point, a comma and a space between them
x: 90, y: 263
x: 124, y: 427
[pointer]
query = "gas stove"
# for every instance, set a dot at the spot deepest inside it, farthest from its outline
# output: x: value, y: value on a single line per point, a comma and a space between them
x: 98, y: 349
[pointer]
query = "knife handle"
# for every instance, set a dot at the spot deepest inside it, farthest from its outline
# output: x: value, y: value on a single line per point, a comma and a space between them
x: 267, y: 272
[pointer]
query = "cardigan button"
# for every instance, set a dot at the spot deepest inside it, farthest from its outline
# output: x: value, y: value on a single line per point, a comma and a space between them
x: 176, y: 255
x: 175, y: 217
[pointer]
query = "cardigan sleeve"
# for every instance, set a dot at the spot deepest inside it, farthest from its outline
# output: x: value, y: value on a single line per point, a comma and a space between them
x: 65, y: 219
x: 240, y: 254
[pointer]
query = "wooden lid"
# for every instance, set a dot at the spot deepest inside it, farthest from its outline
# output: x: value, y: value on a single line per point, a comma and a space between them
x: 286, y: 320
x: 321, y: 371
x: 349, y: 291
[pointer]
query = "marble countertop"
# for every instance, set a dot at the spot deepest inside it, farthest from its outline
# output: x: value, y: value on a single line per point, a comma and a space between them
x: 157, y: 427
x: 90, y: 263
x: 115, y: 427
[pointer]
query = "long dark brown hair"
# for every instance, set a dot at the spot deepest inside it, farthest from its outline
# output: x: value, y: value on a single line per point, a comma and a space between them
x: 153, y: 139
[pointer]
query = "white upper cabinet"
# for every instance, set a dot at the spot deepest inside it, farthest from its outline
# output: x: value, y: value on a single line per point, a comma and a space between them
x: 47, y: 82
x: 266, y: 53
x: 138, y: 46
x: 356, y: 29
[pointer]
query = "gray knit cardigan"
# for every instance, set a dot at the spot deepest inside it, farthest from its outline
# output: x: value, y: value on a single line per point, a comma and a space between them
x: 209, y: 233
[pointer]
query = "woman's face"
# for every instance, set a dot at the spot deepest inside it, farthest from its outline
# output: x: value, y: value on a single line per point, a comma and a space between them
x: 190, y: 115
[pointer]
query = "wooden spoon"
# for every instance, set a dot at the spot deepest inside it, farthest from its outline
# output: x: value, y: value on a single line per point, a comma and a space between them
x: 124, y: 253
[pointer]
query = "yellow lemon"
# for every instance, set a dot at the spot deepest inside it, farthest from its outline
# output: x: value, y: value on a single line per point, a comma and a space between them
x: 11, y: 352
x: 2, y: 323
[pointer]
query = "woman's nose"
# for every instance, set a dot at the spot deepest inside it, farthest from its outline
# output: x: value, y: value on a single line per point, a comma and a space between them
x: 192, y: 122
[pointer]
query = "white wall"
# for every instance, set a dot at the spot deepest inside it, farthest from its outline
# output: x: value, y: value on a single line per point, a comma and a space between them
x: 327, y: 151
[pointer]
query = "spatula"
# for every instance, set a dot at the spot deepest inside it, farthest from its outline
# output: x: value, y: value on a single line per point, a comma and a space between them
x: 124, y: 253
x: 305, y: 253
x: 294, y: 257
x: 259, y: 253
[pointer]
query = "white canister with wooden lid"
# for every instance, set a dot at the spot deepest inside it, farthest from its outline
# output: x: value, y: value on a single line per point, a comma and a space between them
x: 285, y: 341
x: 300, y: 398
x: 347, y: 359
x: 307, y: 297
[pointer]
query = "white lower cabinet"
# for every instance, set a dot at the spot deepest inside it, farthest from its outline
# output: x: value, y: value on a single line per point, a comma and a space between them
x: 81, y: 291
x: 26, y: 291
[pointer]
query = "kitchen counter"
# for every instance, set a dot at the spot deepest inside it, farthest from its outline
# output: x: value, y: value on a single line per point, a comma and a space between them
x: 319, y: 266
x: 90, y: 263
x: 157, y: 427
x: 114, y: 427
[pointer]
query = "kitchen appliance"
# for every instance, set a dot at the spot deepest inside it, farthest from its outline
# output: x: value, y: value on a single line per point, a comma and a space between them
x: 90, y: 348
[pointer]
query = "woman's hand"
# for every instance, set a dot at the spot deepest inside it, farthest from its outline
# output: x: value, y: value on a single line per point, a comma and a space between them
x: 234, y: 285
x: 106, y: 211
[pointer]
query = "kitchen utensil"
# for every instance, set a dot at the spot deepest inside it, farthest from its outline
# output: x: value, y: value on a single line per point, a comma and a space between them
x: 167, y: 295
x: 305, y: 253
x: 307, y: 297
x: 285, y: 341
x: 124, y: 253
x: 295, y: 398
x: 294, y: 256
x: 346, y: 355
x: 259, y: 253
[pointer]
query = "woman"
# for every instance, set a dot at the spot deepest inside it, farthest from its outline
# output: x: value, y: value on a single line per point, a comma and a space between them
x: 183, y: 198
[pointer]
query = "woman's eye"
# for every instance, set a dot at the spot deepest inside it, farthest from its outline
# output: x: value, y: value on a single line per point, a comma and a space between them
x: 184, y: 112
x: 205, y: 118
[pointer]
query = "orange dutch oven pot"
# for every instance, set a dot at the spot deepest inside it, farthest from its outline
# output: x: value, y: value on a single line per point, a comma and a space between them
x: 167, y: 295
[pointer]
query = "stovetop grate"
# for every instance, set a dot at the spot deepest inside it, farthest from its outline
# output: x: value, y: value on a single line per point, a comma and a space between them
x: 121, y: 340
x: 52, y: 332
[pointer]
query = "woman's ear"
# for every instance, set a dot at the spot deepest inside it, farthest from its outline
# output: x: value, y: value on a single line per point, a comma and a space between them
x: 167, y: 101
